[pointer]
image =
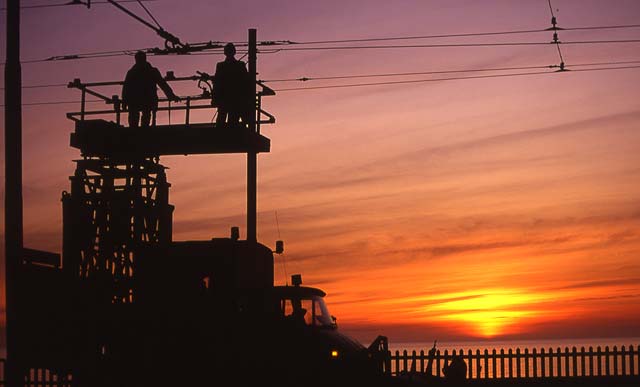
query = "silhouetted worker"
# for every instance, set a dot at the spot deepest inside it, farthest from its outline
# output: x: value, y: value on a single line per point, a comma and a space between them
x: 456, y: 370
x: 231, y: 89
x: 140, y: 93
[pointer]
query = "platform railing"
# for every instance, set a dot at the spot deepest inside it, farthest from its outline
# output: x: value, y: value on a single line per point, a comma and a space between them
x: 188, y: 103
x: 534, y: 363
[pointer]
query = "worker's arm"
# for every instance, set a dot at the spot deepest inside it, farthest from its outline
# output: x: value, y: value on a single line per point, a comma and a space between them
x: 165, y: 87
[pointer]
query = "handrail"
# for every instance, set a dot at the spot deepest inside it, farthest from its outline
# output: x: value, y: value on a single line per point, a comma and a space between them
x: 204, y: 83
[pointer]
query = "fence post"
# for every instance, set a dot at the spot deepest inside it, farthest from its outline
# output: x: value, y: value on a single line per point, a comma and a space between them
x: 486, y: 364
x: 510, y: 363
x: 615, y: 360
x: 567, y: 367
x: 414, y: 360
x: 599, y: 360
x: 438, y: 362
x: 494, y: 361
x: 542, y: 362
x: 518, y: 367
x: 607, y: 360
x: 470, y: 367
x: 478, y: 364
x: 501, y: 362
x: 534, y: 359
x: 405, y: 360
x: 631, y: 361
x: 623, y: 356
x: 445, y: 359
x: 559, y: 361
x: 397, y: 362
x: 422, y: 361
x: 551, y: 362
x: 526, y: 362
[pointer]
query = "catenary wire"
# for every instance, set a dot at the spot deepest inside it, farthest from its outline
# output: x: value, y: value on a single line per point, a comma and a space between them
x: 384, y: 83
x: 72, y: 3
x: 378, y: 75
x: 149, y: 13
x: 352, y: 76
x: 457, y: 45
x: 443, y: 79
x: 471, y: 34
x: 104, y: 54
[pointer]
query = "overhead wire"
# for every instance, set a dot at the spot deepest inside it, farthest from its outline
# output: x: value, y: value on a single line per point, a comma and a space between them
x: 42, y: 86
x: 444, y: 79
x: 392, y: 82
x: 149, y: 13
x: 354, y: 76
x: 72, y: 3
x: 396, y: 74
x: 471, y: 34
x: 454, y: 45
x: 284, y: 43
x: 275, y: 50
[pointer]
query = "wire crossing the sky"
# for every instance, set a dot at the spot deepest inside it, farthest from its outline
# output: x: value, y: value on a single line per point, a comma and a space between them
x: 399, y: 82
x: 74, y: 2
x: 354, y: 76
x: 215, y: 47
x: 446, y: 79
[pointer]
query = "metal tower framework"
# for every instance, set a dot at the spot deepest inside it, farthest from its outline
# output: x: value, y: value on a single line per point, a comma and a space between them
x: 113, y: 207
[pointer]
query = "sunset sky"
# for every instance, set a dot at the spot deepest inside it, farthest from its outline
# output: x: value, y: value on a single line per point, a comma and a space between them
x: 492, y: 208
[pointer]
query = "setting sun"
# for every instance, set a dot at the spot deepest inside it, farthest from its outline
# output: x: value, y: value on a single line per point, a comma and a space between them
x: 487, y: 312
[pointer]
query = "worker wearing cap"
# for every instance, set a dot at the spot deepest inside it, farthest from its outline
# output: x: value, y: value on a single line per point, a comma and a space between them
x: 231, y: 91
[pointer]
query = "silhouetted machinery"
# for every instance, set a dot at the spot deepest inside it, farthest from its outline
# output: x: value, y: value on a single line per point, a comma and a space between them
x: 128, y: 306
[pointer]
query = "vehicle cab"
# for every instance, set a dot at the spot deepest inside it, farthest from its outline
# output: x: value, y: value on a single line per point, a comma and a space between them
x: 309, y: 335
x: 304, y: 305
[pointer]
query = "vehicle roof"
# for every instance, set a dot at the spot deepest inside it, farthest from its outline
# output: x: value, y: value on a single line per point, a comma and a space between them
x: 300, y: 291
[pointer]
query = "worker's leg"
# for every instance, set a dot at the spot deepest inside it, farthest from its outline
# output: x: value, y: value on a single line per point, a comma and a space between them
x: 146, y: 118
x: 134, y: 117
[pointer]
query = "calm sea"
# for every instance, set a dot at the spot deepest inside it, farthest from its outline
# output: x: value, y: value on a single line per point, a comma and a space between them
x: 513, y: 344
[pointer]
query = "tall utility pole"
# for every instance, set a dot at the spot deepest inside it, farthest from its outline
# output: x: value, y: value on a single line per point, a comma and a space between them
x: 13, y: 182
x: 252, y: 156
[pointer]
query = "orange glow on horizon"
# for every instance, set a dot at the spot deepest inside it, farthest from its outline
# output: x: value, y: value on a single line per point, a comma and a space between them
x: 488, y: 312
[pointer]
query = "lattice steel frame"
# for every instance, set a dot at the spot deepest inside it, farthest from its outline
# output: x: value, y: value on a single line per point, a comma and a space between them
x: 114, y: 206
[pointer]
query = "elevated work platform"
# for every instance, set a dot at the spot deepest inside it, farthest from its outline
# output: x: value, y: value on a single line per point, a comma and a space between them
x: 100, y: 138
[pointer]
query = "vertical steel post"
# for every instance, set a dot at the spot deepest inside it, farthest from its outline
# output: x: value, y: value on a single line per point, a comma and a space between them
x: 252, y: 156
x: 13, y: 183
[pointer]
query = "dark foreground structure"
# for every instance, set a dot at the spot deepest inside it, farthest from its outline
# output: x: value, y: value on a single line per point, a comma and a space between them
x: 125, y: 305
